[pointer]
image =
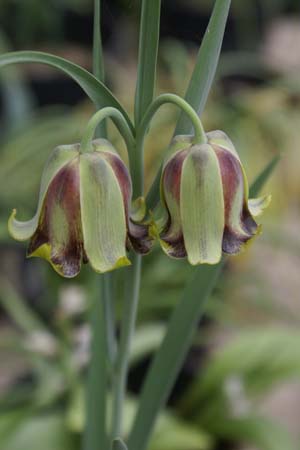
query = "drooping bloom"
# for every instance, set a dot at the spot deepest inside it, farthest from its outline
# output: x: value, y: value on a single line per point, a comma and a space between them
x: 204, y: 192
x: 84, y: 212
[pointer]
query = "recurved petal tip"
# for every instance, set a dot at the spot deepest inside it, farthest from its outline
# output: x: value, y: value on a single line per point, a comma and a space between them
x: 21, y: 231
x: 258, y: 205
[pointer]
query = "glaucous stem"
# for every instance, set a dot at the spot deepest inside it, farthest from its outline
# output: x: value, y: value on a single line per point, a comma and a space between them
x: 138, y: 163
x: 130, y: 306
x: 118, y: 119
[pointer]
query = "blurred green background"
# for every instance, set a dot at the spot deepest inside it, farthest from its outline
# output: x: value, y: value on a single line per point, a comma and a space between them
x: 240, y: 386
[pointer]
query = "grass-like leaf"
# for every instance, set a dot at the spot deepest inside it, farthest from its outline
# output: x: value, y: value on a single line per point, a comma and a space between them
x: 169, y: 358
x: 264, y: 175
x: 98, y: 62
x: 201, y: 80
x: 206, y: 64
x: 148, y: 47
x: 94, y: 88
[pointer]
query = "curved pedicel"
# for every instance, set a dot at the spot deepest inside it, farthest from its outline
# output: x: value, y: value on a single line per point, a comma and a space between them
x: 83, y: 213
x: 204, y: 191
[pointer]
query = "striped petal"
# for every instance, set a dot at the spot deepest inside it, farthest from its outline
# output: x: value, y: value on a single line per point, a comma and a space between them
x: 239, y: 223
x: 171, y: 236
x: 102, y: 213
x: 220, y: 139
x: 138, y: 238
x: 21, y: 231
x: 58, y: 237
x: 202, y: 206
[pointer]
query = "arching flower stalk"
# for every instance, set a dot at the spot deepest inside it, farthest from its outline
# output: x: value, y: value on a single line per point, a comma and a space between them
x: 84, y: 212
x: 204, y: 192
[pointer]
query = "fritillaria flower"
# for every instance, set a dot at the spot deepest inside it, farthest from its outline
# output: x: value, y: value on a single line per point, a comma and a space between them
x: 204, y: 192
x: 83, y: 212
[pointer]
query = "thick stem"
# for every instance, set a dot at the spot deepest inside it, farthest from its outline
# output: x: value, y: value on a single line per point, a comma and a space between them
x: 97, y: 118
x: 133, y: 280
x: 199, y: 137
x: 108, y: 311
x: 95, y: 433
x: 138, y: 163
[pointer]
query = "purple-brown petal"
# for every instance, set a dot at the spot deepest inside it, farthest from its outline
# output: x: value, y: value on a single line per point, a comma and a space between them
x: 59, y: 234
x: 239, y: 224
x: 138, y: 233
x: 171, y: 235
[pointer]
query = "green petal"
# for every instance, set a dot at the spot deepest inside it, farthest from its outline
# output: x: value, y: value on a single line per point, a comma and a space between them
x: 239, y: 223
x: 179, y: 142
x: 103, y: 145
x: 170, y: 229
x: 103, y: 214
x: 138, y: 233
x: 21, y: 231
x: 58, y: 237
x: 202, y: 206
x: 258, y: 205
x: 220, y: 139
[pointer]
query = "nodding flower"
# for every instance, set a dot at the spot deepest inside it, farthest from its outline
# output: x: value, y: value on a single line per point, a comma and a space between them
x: 204, y: 193
x: 84, y: 212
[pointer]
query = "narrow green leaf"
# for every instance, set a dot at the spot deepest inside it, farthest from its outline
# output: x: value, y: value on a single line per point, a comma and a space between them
x: 201, y: 80
x: 94, y: 88
x: 206, y: 64
x: 180, y: 333
x: 169, y: 358
x: 98, y: 62
x: 263, y: 177
x: 98, y: 65
x: 118, y: 444
x: 18, y: 310
x: 148, y: 47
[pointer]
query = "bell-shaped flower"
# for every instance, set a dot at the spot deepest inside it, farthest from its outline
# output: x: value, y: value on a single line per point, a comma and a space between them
x: 84, y: 212
x: 204, y: 193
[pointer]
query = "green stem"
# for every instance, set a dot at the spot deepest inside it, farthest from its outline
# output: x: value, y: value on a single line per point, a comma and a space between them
x: 98, y: 61
x: 127, y: 328
x: 95, y: 433
x: 138, y: 163
x: 118, y: 119
x: 108, y: 306
x: 199, y: 138
x: 95, y: 436
x: 98, y: 66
